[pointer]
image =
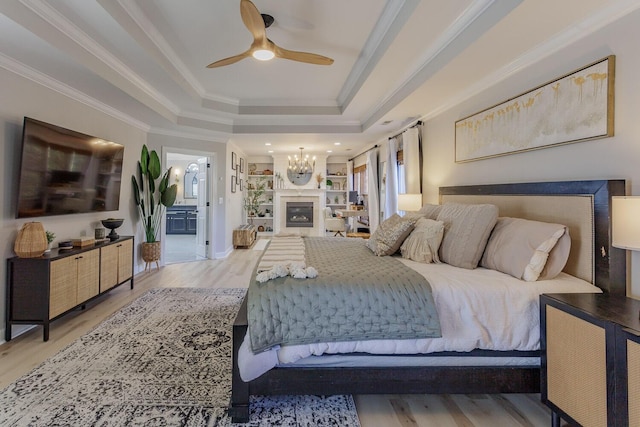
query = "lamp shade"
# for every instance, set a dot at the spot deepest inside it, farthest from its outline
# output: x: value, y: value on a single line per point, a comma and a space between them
x: 409, y: 202
x: 626, y: 222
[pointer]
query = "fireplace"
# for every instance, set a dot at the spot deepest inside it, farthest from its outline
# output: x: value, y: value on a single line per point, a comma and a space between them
x: 299, y: 214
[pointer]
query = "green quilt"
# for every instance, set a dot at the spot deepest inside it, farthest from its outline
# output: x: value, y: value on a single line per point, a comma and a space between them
x: 356, y: 296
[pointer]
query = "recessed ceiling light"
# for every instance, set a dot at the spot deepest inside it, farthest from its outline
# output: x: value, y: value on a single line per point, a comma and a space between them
x: 267, y: 143
x: 270, y: 151
x: 329, y: 151
x: 337, y: 143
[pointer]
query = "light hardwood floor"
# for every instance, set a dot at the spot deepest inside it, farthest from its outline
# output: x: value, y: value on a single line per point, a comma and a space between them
x: 24, y: 353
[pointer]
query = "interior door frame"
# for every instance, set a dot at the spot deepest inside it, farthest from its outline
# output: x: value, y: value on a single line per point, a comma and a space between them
x: 211, y: 196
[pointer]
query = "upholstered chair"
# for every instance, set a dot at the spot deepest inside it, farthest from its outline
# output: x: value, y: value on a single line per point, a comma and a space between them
x: 333, y: 224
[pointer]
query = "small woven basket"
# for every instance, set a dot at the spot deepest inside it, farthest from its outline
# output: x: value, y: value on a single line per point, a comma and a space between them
x: 31, y: 241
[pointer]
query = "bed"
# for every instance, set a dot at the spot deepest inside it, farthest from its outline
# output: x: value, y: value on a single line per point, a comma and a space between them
x: 583, y: 206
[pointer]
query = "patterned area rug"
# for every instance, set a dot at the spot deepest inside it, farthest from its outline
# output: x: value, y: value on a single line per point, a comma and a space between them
x: 163, y: 360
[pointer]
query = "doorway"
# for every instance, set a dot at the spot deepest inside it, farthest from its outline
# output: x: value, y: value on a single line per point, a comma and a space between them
x: 186, y: 230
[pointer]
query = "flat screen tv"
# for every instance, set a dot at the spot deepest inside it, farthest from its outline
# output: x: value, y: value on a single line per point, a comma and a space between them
x: 66, y: 172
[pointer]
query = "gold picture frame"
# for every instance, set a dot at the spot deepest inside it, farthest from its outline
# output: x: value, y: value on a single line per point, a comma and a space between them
x: 573, y: 108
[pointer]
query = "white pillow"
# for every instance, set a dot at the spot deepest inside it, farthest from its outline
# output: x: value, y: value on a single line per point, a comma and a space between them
x: 423, y: 242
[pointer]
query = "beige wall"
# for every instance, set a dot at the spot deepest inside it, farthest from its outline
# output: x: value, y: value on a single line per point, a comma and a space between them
x: 22, y: 97
x: 609, y: 158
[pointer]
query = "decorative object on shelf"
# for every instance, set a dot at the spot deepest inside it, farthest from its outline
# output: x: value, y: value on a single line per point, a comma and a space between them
x: 335, y: 199
x: 112, y: 224
x: 253, y: 199
x: 267, y: 213
x: 261, y: 228
x: 65, y: 245
x: 267, y: 172
x: 319, y: 179
x: 252, y: 168
x: 151, y: 196
x: 300, y: 169
x: 31, y: 241
x: 234, y: 161
x: 50, y: 236
x: 531, y: 120
x: 329, y: 184
x: 336, y: 185
x: 99, y: 233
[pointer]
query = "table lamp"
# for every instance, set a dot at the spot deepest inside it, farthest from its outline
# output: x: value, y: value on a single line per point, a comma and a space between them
x: 626, y: 222
x: 409, y: 202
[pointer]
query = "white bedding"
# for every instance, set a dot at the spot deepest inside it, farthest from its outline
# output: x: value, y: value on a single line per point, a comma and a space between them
x: 478, y: 308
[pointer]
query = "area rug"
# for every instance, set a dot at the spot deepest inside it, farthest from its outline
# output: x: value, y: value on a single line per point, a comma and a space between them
x: 163, y: 360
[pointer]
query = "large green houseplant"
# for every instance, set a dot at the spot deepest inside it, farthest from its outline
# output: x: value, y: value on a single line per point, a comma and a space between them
x: 152, y: 194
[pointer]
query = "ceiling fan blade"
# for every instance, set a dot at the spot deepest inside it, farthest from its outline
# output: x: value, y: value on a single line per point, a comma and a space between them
x: 230, y: 60
x: 310, y: 58
x: 253, y: 20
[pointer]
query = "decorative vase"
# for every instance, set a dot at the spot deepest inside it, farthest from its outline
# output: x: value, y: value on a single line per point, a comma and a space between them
x: 31, y: 241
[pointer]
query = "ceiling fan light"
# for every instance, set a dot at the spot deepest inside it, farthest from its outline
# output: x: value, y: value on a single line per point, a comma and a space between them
x: 263, y: 54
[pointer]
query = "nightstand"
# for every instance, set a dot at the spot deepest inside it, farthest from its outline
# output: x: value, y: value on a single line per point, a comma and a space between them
x: 590, y: 358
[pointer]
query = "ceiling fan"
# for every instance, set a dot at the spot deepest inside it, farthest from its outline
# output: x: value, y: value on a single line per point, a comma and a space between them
x: 262, y: 48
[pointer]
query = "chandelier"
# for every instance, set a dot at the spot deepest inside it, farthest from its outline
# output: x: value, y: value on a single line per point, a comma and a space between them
x: 301, y: 165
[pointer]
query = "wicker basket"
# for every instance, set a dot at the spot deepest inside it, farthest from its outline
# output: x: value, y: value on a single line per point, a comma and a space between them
x: 31, y: 241
x: 151, y: 251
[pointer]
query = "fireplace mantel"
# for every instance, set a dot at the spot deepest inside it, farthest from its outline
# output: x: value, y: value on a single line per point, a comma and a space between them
x: 282, y: 196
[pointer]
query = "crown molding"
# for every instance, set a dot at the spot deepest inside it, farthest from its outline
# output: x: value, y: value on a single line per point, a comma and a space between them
x: 48, y: 82
x: 95, y: 49
x: 394, y: 16
x: 590, y: 25
x: 472, y: 22
x: 154, y: 40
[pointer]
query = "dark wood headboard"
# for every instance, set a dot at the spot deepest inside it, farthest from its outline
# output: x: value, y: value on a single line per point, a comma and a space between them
x: 607, y: 264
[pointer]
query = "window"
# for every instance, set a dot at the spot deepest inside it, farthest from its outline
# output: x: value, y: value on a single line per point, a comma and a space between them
x: 360, y: 180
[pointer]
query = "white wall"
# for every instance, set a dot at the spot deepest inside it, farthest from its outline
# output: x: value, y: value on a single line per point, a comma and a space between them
x: 609, y: 158
x: 22, y: 97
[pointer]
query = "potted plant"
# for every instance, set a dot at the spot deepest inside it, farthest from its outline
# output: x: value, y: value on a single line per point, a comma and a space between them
x: 152, y: 194
x: 252, y: 201
x: 50, y: 237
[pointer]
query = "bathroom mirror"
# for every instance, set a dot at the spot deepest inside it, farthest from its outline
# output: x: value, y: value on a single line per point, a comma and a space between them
x: 191, y: 181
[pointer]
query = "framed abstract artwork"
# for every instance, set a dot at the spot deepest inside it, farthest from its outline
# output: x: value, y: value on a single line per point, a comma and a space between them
x: 233, y: 183
x: 573, y: 108
x: 241, y: 165
x: 234, y: 160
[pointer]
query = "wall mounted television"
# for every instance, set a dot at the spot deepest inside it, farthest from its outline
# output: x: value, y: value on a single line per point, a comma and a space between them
x: 66, y: 172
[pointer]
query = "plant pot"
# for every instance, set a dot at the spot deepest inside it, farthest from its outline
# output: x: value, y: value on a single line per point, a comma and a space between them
x: 151, y: 251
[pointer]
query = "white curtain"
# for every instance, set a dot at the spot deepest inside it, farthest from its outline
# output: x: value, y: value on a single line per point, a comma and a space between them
x: 372, y: 192
x: 411, y: 153
x: 350, y: 176
x: 391, y: 185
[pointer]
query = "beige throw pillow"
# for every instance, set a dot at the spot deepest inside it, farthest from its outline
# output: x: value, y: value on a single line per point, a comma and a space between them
x: 430, y: 211
x: 423, y: 242
x: 390, y: 234
x: 521, y: 248
x: 466, y: 231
